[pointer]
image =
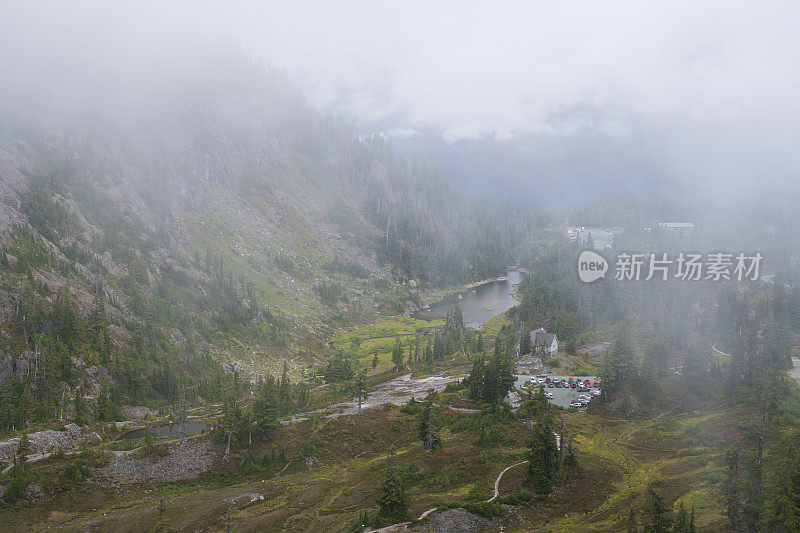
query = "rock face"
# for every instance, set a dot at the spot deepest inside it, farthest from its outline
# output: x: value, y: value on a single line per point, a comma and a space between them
x: 455, y: 521
x: 185, y: 460
x: 135, y: 412
x: 6, y: 369
x: 48, y: 441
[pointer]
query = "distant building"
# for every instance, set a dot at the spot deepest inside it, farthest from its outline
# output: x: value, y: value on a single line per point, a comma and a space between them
x: 684, y: 228
x: 543, y: 342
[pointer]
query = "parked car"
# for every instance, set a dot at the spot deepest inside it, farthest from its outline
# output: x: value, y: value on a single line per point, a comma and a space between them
x: 596, y: 384
x: 583, y: 389
x: 571, y: 380
x: 558, y: 384
x: 595, y: 392
x: 548, y: 395
x: 550, y: 385
x: 573, y: 385
x: 548, y: 380
x: 575, y: 403
x: 588, y: 383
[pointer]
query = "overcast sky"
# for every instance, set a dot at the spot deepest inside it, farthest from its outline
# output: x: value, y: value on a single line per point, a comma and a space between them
x: 712, y: 87
x: 510, y: 68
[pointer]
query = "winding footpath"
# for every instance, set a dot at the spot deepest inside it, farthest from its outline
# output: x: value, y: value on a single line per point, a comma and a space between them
x: 398, y: 527
x: 719, y: 352
x: 499, y: 477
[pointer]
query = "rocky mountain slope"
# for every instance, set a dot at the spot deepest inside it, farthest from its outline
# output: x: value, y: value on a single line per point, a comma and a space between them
x: 156, y: 227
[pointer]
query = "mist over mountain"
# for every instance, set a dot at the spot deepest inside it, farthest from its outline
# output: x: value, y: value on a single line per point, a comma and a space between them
x: 337, y: 266
x: 547, y: 172
x: 183, y: 208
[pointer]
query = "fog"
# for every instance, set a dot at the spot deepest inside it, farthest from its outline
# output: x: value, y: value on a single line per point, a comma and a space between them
x: 675, y: 100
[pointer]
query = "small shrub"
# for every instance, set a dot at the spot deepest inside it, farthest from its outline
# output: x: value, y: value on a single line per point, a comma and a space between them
x: 517, y: 499
x: 14, y: 489
x: 74, y: 473
x: 369, y: 436
x: 455, y: 386
x: 58, y: 455
x: 307, y: 450
x: 249, y: 465
x: 409, y: 474
x: 162, y: 451
x: 412, y: 407
x: 716, y: 478
x: 100, y: 459
x: 484, y: 509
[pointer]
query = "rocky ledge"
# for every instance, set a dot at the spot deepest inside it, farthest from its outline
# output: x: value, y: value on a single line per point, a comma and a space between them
x: 48, y: 440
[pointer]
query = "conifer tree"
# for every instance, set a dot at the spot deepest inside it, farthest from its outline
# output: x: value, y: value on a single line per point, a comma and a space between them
x: 543, y: 453
x: 427, y: 429
x: 23, y: 449
x: 631, y: 524
x: 656, y: 519
x: 392, y: 493
x: 397, y: 355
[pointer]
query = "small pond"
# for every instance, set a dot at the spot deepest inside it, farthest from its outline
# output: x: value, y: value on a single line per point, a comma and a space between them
x: 193, y: 427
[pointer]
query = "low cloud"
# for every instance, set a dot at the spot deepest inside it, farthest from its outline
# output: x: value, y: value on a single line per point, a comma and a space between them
x: 712, y: 85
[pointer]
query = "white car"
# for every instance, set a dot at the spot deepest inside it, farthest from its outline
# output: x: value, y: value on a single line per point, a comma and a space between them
x: 548, y: 395
x: 595, y: 392
x: 575, y: 403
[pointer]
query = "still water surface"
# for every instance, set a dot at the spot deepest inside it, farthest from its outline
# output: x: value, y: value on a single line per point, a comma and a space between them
x: 480, y: 304
x: 193, y: 427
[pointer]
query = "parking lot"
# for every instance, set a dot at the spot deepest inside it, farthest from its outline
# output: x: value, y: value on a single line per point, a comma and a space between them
x: 561, y: 396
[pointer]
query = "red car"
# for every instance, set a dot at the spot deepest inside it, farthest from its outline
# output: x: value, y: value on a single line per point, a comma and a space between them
x: 572, y: 380
x: 596, y: 384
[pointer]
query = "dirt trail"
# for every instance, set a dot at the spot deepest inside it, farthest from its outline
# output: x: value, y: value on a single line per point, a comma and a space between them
x: 401, y: 526
x: 499, y: 477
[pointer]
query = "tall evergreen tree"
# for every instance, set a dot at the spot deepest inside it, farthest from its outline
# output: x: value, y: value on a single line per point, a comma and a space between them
x: 397, y: 355
x: 392, y: 493
x: 427, y: 429
x: 656, y: 519
x: 543, y: 465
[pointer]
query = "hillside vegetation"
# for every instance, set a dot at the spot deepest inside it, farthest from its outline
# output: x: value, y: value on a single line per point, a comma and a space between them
x: 202, y: 217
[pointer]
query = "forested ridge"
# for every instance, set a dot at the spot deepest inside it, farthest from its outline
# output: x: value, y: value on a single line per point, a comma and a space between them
x: 196, y: 215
